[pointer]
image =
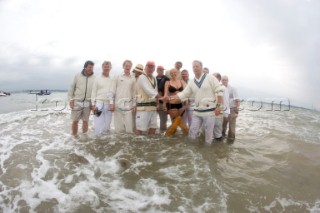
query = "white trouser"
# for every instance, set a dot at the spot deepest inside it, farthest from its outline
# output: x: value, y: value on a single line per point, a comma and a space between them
x: 123, y: 121
x: 208, y: 125
x: 187, y: 117
x: 217, y: 131
x: 102, y: 123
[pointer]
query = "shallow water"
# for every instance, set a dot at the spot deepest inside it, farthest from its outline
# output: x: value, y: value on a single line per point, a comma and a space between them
x: 273, y: 166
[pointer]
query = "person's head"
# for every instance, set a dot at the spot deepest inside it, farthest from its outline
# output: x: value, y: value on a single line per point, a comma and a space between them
x: 178, y: 65
x: 185, y: 75
x: 197, y: 67
x: 150, y: 67
x: 217, y: 75
x: 127, y: 64
x: 206, y: 70
x: 138, y: 70
x: 225, y: 80
x: 174, y: 73
x: 160, y: 70
x: 106, y: 67
x: 88, y: 68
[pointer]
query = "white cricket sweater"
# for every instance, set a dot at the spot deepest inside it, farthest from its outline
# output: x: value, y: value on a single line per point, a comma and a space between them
x: 204, y: 93
x: 101, y: 89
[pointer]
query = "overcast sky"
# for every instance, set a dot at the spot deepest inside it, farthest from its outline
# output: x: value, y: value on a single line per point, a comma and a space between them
x: 269, y: 47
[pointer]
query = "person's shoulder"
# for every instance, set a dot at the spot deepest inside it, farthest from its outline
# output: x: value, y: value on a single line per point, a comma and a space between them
x: 78, y: 75
x: 210, y: 77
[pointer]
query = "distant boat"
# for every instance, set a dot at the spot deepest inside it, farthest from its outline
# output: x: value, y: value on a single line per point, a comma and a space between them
x: 3, y: 94
x: 41, y: 92
x: 44, y: 92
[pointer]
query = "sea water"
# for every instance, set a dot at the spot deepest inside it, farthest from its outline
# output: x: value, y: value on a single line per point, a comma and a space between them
x: 273, y: 165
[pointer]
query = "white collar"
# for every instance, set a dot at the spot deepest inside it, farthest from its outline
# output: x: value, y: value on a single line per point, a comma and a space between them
x: 198, y: 80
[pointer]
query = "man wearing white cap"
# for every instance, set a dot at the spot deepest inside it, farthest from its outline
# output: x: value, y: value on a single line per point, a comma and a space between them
x: 147, y: 93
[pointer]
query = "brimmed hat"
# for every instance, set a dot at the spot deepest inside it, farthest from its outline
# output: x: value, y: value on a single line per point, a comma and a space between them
x: 138, y: 68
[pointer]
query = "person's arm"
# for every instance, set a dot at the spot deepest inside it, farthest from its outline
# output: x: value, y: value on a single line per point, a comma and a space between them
x: 166, y: 94
x: 186, y: 93
x: 112, y: 93
x: 218, y: 90
x: 71, y: 92
x: 133, y: 94
x: 236, y: 99
x: 94, y: 94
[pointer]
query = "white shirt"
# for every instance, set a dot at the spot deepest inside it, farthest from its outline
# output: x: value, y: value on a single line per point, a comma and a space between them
x: 123, y: 89
x: 233, y: 96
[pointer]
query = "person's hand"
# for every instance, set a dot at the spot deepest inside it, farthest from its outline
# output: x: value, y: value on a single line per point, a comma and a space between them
x: 93, y: 108
x: 111, y: 107
x: 163, y: 98
x: 236, y: 111
x: 164, y: 107
x: 71, y: 103
x: 134, y: 109
x: 217, y: 111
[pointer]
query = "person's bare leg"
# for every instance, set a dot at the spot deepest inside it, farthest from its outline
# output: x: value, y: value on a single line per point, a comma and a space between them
x: 74, y: 128
x: 84, y: 126
x: 152, y: 131
x: 138, y: 132
x: 173, y: 113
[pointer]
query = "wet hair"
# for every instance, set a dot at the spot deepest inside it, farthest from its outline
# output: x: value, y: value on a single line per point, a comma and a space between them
x: 88, y: 63
x: 107, y: 63
x: 126, y: 61
x: 178, y: 62
x: 197, y: 61
x: 185, y: 71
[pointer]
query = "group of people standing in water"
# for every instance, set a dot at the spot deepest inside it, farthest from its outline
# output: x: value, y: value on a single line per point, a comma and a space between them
x: 208, y: 104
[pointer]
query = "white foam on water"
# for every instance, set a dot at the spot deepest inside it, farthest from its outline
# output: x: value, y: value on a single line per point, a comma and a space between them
x: 315, y: 208
x: 71, y: 173
x: 281, y: 204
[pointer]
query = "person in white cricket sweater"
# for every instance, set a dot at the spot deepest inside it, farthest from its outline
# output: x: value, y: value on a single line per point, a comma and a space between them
x: 100, y: 100
x: 123, y: 91
x: 79, y: 96
x: 207, y: 93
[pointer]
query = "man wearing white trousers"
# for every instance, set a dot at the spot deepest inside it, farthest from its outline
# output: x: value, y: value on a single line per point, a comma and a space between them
x: 217, y: 132
x: 207, y: 93
x: 123, y: 91
x: 100, y: 100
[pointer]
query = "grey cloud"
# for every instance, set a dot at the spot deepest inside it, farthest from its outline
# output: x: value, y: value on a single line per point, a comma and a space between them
x: 293, y: 26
